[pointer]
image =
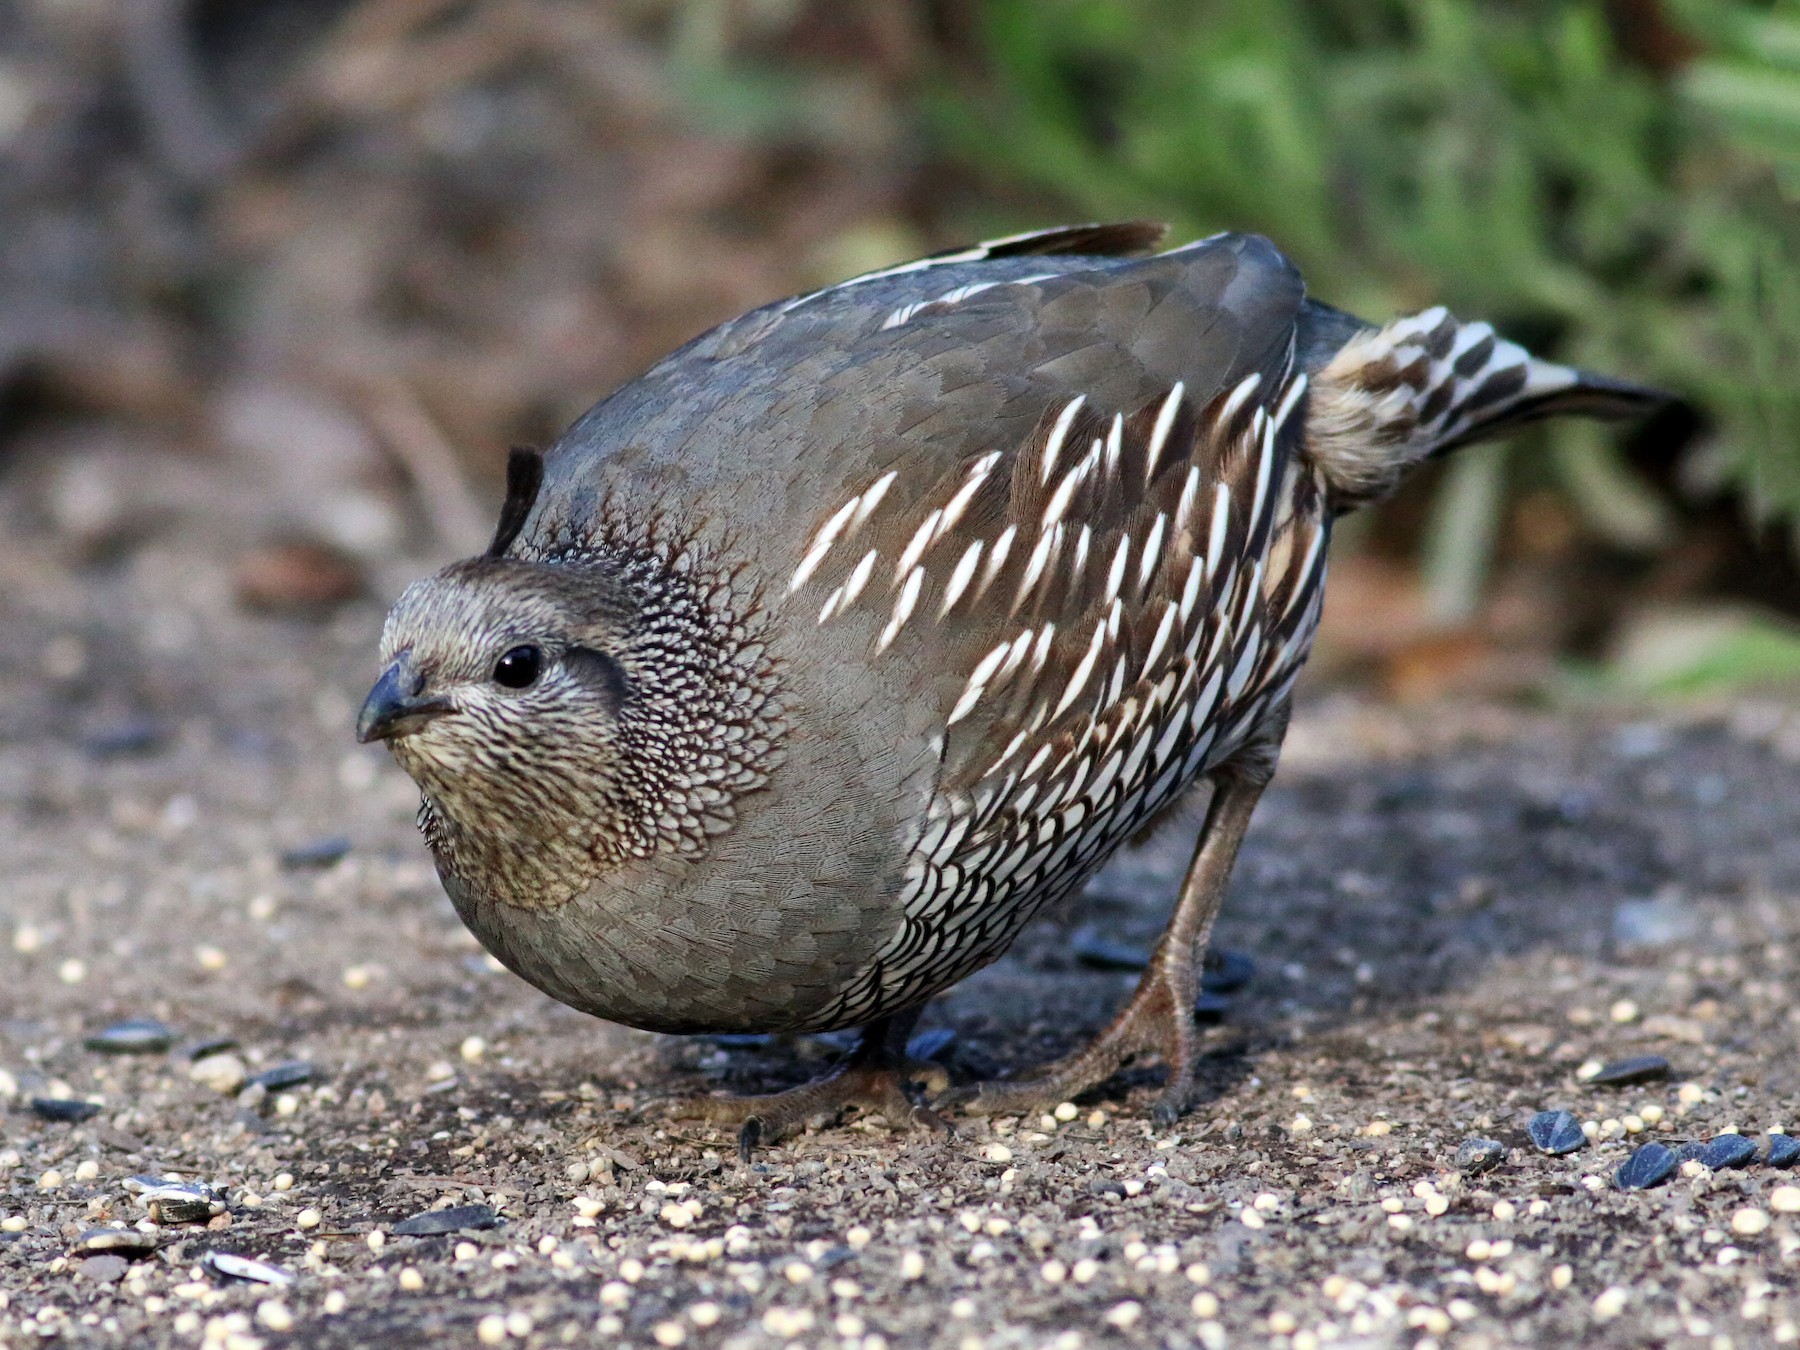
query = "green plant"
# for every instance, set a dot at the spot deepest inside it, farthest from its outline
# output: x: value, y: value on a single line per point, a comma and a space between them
x: 1634, y: 213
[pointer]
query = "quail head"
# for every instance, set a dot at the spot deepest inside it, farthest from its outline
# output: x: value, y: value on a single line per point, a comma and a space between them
x: 810, y: 665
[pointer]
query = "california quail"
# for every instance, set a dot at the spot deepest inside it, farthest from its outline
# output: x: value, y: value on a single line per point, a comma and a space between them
x: 810, y: 665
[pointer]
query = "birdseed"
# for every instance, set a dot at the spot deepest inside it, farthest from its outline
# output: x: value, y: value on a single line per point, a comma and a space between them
x: 1556, y: 1132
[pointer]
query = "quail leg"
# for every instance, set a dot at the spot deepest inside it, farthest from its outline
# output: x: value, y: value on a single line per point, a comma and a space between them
x: 874, y: 1077
x: 1160, y: 1015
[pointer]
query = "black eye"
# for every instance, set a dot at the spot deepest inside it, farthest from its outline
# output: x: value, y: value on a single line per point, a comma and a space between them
x: 519, y: 668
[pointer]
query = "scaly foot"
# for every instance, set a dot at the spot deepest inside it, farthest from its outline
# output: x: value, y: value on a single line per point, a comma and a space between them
x: 1158, y: 1019
x: 876, y: 1079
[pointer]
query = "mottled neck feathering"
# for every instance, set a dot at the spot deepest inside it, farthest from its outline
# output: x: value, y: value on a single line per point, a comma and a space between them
x: 532, y: 801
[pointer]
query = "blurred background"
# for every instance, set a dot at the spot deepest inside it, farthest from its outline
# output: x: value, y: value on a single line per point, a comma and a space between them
x: 280, y: 282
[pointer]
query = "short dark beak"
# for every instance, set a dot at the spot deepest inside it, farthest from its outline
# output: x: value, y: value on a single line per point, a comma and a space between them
x: 394, y: 706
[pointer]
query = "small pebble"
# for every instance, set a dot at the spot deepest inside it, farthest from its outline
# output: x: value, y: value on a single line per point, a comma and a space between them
x: 120, y: 1241
x: 491, y: 1330
x: 1748, y: 1222
x: 1556, y: 1132
x: 289, y: 1073
x: 202, y: 1046
x: 1210, y: 1007
x: 1478, y: 1155
x: 222, y: 1073
x: 134, y: 1036
x: 1646, y: 1167
x: 1125, y: 1315
x: 1638, y: 1069
x: 930, y: 1045
x: 1095, y: 950
x: 1785, y: 1199
x: 104, y: 1269
x: 455, y: 1219
x: 1728, y: 1150
x: 319, y: 853
x: 133, y: 736
x: 308, y: 1218
x: 245, y: 1268
x: 1226, y: 972
x: 64, y: 1110
x: 275, y: 1315
x: 1784, y: 1150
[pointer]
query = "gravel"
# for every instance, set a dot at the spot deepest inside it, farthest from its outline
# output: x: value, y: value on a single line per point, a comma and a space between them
x: 1434, y: 959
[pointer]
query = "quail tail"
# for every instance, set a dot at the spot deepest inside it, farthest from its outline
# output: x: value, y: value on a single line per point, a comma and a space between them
x: 1385, y: 399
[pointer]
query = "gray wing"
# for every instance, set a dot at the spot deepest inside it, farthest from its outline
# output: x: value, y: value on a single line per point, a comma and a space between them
x: 971, y: 496
x: 772, y: 417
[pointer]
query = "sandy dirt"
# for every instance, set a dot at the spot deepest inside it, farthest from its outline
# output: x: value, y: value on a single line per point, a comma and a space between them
x: 1450, y: 911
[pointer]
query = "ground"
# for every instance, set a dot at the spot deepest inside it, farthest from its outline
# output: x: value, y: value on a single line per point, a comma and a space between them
x: 1450, y: 910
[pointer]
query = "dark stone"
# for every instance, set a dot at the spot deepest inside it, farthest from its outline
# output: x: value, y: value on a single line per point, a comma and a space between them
x: 1728, y: 1150
x: 1226, y: 972
x: 132, y: 736
x: 290, y: 1074
x: 1638, y: 1069
x: 1648, y: 1166
x: 1407, y: 789
x: 1211, y: 1008
x: 1556, y: 1132
x: 202, y: 1046
x: 1479, y: 1155
x: 134, y: 1036
x: 319, y: 853
x: 1098, y: 952
x: 1569, y: 808
x: 1106, y: 1186
x: 456, y: 1219
x: 1784, y: 1150
x: 64, y: 1109
x: 930, y: 1045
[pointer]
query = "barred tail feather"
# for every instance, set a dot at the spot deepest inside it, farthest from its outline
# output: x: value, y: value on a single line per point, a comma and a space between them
x: 1390, y: 398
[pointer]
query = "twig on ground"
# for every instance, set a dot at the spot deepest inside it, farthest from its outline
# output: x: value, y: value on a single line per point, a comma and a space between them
x: 407, y: 431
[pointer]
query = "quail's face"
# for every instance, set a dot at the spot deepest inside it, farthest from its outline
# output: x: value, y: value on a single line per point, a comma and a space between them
x: 503, y: 685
